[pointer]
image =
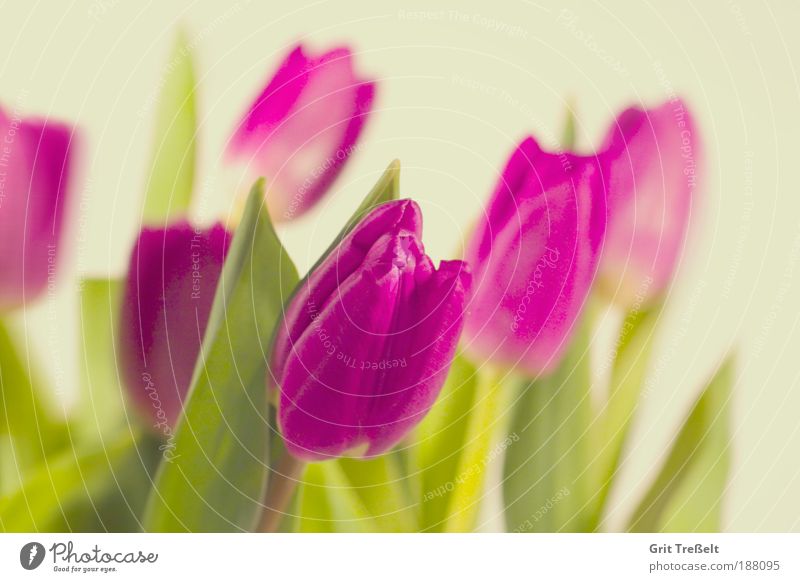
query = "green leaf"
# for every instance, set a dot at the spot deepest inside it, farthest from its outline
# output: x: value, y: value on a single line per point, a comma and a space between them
x: 100, y: 488
x: 634, y: 347
x: 101, y: 412
x: 378, y: 483
x: 355, y: 495
x: 439, y: 444
x: 386, y: 189
x: 547, y: 486
x: 476, y: 453
x: 329, y: 504
x: 169, y: 185
x: 218, y: 474
x: 687, y: 493
x: 452, y: 448
x: 568, y: 135
x: 30, y: 430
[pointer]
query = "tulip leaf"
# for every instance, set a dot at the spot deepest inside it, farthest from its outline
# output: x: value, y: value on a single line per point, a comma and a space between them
x: 439, y: 444
x: 378, y: 483
x: 547, y: 486
x: 687, y: 493
x: 355, y: 495
x: 568, y: 133
x: 452, y: 448
x: 476, y: 455
x: 386, y: 189
x: 30, y: 430
x: 327, y: 503
x: 171, y: 177
x: 102, y: 410
x: 99, y: 488
x: 218, y: 474
x: 634, y: 346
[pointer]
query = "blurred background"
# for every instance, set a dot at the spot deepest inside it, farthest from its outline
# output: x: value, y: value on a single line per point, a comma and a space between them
x: 459, y: 84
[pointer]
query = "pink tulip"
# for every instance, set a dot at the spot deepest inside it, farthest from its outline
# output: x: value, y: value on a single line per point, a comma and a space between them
x: 650, y: 162
x: 172, y: 279
x: 303, y: 127
x: 36, y: 167
x: 534, y: 254
x: 366, y: 343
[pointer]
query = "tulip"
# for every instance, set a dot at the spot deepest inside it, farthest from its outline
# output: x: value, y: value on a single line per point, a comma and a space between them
x: 650, y: 162
x: 302, y: 128
x: 36, y: 166
x: 171, y: 282
x: 534, y: 254
x: 366, y: 342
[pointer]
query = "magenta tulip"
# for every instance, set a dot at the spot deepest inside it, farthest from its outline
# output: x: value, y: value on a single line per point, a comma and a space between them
x: 171, y: 283
x: 36, y: 165
x: 650, y: 162
x: 534, y: 254
x: 302, y: 128
x: 367, y: 341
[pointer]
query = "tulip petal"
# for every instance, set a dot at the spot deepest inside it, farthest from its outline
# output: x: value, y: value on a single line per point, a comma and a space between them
x: 303, y: 127
x: 169, y: 291
x: 35, y: 174
x: 535, y: 257
x: 275, y: 101
x: 366, y: 343
x: 328, y: 379
x: 650, y: 158
x: 434, y: 318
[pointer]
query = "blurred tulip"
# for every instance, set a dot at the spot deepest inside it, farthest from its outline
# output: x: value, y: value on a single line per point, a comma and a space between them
x: 172, y: 279
x: 302, y: 128
x: 534, y: 255
x: 367, y: 341
x: 37, y: 160
x: 650, y: 163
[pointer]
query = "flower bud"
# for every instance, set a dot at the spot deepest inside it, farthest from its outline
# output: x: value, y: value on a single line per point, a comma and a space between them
x: 36, y: 166
x: 650, y: 162
x: 302, y: 128
x: 366, y: 343
x: 534, y: 256
x: 168, y: 295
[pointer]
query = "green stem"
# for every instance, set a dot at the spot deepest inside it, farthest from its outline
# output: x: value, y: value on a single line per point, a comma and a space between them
x: 282, y: 484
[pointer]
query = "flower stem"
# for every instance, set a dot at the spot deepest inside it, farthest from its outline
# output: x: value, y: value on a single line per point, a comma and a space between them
x: 282, y: 483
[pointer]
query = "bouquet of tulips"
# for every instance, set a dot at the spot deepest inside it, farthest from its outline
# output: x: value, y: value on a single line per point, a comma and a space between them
x: 225, y: 391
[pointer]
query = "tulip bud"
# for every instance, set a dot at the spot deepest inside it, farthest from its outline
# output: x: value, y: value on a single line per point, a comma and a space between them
x: 366, y: 342
x: 650, y: 162
x: 302, y: 128
x: 534, y: 255
x: 36, y: 164
x: 171, y: 283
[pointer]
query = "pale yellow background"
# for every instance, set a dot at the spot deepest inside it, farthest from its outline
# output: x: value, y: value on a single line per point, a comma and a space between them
x: 459, y: 85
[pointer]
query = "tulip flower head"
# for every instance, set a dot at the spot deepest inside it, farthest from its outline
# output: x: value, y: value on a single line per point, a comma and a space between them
x: 534, y: 255
x: 36, y: 166
x: 303, y: 127
x: 366, y: 342
x: 170, y: 288
x: 650, y: 160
